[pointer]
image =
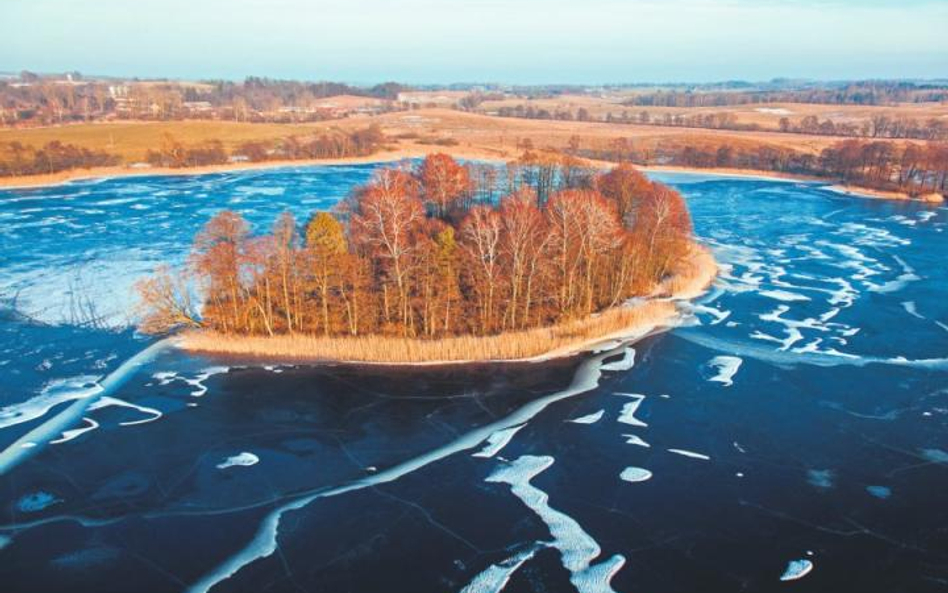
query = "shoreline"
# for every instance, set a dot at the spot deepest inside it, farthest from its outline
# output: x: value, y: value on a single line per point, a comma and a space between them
x: 657, y: 313
x: 420, y: 151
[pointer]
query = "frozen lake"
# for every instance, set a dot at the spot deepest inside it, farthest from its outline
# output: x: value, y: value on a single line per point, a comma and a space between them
x: 792, y: 434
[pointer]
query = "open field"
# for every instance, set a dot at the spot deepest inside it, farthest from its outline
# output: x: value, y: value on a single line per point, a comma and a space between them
x: 766, y: 115
x: 502, y: 136
x: 418, y: 132
x: 132, y: 140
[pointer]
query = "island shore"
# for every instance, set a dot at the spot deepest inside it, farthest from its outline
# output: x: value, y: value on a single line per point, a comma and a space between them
x: 878, y: 194
x: 623, y: 324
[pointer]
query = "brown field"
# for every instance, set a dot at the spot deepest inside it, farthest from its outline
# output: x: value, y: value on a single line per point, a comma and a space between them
x: 502, y: 136
x: 132, y: 140
x: 766, y: 115
x: 421, y: 131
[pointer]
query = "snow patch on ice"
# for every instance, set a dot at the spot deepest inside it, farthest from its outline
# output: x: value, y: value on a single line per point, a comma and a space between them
x: 727, y: 367
x: 244, y: 459
x: 910, y: 308
x: 797, y: 569
x: 631, y: 439
x: 687, y: 453
x: 198, y: 381
x: 105, y: 402
x: 497, y: 441
x: 626, y: 363
x: 635, y: 474
x: 783, y: 295
x: 627, y: 415
x: 589, y: 418
x: 577, y: 548
x: 69, y: 435
x: 495, y: 577
x: 55, y: 392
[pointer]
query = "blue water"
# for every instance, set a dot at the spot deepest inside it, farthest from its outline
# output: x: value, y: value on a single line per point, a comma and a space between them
x: 795, y: 426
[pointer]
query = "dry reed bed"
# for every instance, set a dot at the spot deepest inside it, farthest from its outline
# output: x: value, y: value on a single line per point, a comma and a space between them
x: 533, y: 344
x: 691, y: 275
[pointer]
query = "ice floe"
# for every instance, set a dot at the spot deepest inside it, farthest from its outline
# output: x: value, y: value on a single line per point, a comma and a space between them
x: 910, y: 308
x: 104, y: 402
x: 717, y: 314
x: 827, y: 357
x: 908, y: 275
x: 497, y: 441
x: 198, y: 381
x: 635, y: 474
x: 495, y: 577
x: 55, y: 392
x: 727, y: 367
x: 69, y: 435
x: 631, y: 439
x: 577, y: 548
x: 627, y: 415
x: 796, y: 569
x: 879, y: 491
x: 589, y: 418
x: 783, y: 295
x: 625, y: 363
x: 244, y: 459
x: 687, y: 453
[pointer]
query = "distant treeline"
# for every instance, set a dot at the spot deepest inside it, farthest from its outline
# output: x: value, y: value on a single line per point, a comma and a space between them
x: 879, y: 126
x: 53, y: 157
x: 911, y: 168
x: 438, y: 250
x: 861, y: 93
x: 17, y: 159
x: 333, y: 144
x: 35, y: 100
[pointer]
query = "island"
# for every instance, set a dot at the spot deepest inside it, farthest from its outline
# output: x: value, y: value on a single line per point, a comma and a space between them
x: 441, y: 262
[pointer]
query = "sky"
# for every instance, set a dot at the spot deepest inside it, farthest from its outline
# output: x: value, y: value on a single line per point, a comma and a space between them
x: 504, y: 41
